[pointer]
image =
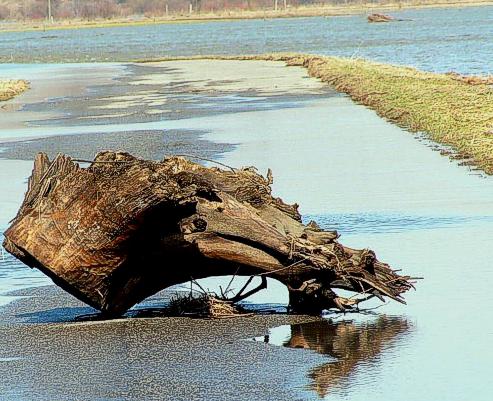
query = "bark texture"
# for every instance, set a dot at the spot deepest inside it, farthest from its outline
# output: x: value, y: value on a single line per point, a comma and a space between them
x: 123, y: 229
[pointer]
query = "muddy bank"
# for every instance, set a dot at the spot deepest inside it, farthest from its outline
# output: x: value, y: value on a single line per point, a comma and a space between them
x: 152, y: 145
x: 132, y: 359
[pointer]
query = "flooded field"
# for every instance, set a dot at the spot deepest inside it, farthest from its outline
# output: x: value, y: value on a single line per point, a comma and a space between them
x: 378, y: 185
x: 434, y: 39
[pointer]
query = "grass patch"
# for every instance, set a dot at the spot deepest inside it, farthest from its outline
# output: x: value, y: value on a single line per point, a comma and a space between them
x: 10, y: 89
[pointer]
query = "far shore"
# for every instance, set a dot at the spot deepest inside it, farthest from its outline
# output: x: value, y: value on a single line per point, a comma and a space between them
x: 289, y: 12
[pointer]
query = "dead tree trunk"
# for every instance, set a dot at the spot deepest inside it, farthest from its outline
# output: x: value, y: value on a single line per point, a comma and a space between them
x: 122, y: 229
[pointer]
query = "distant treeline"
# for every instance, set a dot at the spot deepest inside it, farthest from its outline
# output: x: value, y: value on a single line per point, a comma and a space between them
x: 89, y: 9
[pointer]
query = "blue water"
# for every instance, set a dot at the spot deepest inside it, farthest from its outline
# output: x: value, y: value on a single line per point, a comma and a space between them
x: 435, y: 39
x: 374, y: 223
x: 382, y: 189
x: 350, y: 171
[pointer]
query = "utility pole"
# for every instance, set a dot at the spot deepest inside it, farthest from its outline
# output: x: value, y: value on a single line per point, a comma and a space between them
x: 49, y: 11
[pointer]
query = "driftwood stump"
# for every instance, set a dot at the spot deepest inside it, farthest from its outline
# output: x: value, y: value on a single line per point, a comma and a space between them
x: 380, y: 18
x: 123, y: 229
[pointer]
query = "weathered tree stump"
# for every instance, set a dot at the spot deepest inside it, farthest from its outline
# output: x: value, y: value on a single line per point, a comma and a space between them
x: 123, y: 229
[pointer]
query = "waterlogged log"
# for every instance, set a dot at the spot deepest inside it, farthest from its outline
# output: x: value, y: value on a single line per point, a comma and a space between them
x: 122, y: 229
x: 380, y: 18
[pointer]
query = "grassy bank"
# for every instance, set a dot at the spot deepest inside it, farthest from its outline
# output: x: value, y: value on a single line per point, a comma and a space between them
x: 290, y: 12
x: 10, y: 89
x: 451, y: 109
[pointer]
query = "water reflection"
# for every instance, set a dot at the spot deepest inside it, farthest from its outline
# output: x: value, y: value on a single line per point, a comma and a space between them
x: 350, y: 344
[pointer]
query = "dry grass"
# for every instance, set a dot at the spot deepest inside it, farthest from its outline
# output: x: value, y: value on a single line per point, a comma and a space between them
x: 452, y: 109
x: 10, y: 89
x: 203, y: 305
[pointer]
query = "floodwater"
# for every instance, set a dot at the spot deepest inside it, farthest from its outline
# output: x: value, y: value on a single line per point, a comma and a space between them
x: 378, y: 185
x: 458, y: 39
x: 382, y: 188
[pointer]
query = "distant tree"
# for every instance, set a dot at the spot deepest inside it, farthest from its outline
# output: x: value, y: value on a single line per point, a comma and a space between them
x: 35, y: 9
x: 89, y: 9
x: 4, y: 12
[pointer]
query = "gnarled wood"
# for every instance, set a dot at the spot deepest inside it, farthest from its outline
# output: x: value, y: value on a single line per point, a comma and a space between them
x: 123, y: 228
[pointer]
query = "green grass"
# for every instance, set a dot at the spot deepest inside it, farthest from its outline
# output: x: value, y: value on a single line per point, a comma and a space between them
x: 10, y: 89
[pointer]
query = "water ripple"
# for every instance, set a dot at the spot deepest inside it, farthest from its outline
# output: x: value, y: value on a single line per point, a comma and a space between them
x: 373, y: 223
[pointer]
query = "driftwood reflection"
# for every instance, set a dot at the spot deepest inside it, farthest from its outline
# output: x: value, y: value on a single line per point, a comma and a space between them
x: 350, y: 343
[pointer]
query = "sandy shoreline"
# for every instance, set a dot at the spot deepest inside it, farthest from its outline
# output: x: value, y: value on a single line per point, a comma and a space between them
x: 49, y: 344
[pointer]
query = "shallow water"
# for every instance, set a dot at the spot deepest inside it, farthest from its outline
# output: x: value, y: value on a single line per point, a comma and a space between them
x: 436, y: 40
x: 381, y: 188
x: 13, y: 274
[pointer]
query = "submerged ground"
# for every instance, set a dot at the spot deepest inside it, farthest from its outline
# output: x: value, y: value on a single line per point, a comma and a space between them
x: 350, y: 170
x: 151, y: 358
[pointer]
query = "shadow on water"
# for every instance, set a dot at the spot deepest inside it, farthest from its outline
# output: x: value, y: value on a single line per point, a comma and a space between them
x: 55, y: 315
x: 348, y: 344
x: 40, y: 306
